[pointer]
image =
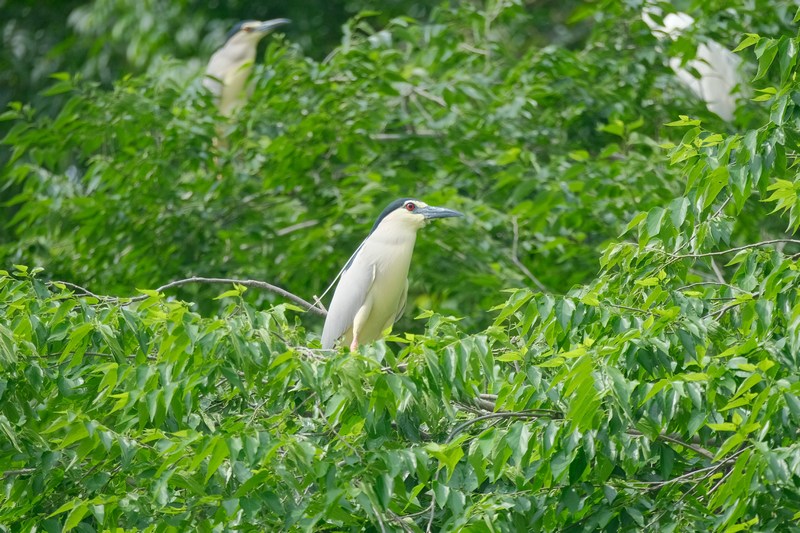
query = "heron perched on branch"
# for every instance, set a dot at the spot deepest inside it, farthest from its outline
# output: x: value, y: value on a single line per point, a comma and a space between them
x: 719, y: 79
x: 230, y: 66
x: 372, y: 290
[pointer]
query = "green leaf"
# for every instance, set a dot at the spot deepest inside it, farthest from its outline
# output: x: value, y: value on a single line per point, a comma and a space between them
x: 237, y: 291
x: 750, y: 40
x: 766, y: 50
x: 655, y: 389
x: 75, y: 516
x: 448, y: 455
x: 717, y: 180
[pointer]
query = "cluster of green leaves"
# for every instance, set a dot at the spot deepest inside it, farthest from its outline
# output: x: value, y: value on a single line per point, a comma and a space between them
x: 105, y: 39
x: 659, y: 392
x: 547, y: 149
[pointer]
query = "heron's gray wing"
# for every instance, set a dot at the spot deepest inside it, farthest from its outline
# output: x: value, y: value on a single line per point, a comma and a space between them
x: 349, y: 296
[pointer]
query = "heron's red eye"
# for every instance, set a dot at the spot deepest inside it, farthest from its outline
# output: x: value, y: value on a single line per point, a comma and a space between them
x: 248, y: 29
x: 410, y: 206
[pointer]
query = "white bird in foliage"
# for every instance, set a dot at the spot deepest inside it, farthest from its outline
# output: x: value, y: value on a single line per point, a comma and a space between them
x: 230, y: 66
x: 371, y: 293
x: 720, y: 80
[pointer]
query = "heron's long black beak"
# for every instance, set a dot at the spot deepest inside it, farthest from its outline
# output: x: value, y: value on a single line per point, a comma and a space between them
x: 269, y: 25
x: 430, y: 212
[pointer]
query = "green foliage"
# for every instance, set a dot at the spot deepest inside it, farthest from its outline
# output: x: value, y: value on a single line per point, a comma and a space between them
x: 657, y: 391
x: 551, y: 141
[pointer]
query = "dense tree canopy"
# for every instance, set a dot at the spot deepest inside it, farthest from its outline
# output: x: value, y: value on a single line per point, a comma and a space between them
x: 609, y: 340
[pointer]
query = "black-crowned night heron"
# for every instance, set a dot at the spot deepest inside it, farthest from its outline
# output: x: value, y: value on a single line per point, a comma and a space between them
x: 371, y: 293
x: 719, y: 78
x: 230, y: 66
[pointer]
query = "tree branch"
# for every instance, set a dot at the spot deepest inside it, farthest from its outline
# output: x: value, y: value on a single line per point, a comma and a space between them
x: 295, y: 227
x: 85, y: 291
x: 701, y: 283
x: 255, y: 284
x: 18, y: 472
x: 533, y: 414
x: 403, y: 136
x: 733, y: 250
x: 556, y: 415
x: 675, y: 440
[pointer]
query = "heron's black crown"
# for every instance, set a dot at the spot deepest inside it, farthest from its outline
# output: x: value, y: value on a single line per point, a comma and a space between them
x: 389, y: 208
x: 237, y: 28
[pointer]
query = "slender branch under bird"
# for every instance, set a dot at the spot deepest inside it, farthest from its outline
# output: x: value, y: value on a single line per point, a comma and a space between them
x: 254, y: 284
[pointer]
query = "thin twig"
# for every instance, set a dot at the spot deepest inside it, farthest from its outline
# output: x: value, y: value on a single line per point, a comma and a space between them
x: 470, y: 48
x: 724, y: 204
x: 244, y: 282
x: 401, y: 367
x: 722, y: 283
x: 732, y: 250
x: 713, y: 470
x: 675, y: 440
x: 531, y: 415
x: 655, y: 485
x: 628, y: 308
x: 518, y: 263
x: 98, y: 354
x: 399, y: 520
x: 433, y: 512
x: 487, y: 405
x: 85, y: 291
x: 718, y: 314
x: 428, y: 96
x: 380, y: 521
x: 722, y: 479
x: 403, y: 136
x: 552, y: 414
x: 295, y: 227
x: 319, y: 303
x: 18, y: 472
x: 717, y: 271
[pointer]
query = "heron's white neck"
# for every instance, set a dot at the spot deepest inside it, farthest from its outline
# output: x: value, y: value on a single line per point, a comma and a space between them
x: 396, y: 230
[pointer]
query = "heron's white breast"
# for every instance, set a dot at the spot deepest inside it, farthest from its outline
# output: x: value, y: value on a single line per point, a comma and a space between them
x: 390, y: 250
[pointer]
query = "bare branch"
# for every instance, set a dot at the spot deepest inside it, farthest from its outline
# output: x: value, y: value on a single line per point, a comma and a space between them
x: 295, y: 227
x: 403, y: 136
x: 718, y: 314
x: 488, y: 405
x: 428, y: 96
x: 721, y: 208
x: 474, y: 50
x: 518, y: 263
x: 86, y: 292
x: 699, y: 283
x: 399, y: 520
x: 530, y: 415
x: 318, y: 303
x: 675, y: 440
x: 18, y: 472
x: 555, y: 415
x: 628, y: 308
x: 717, y: 271
x: 733, y: 250
x: 97, y: 354
x: 255, y: 284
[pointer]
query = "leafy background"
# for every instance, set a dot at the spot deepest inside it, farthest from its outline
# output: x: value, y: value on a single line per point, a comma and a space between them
x: 608, y: 341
